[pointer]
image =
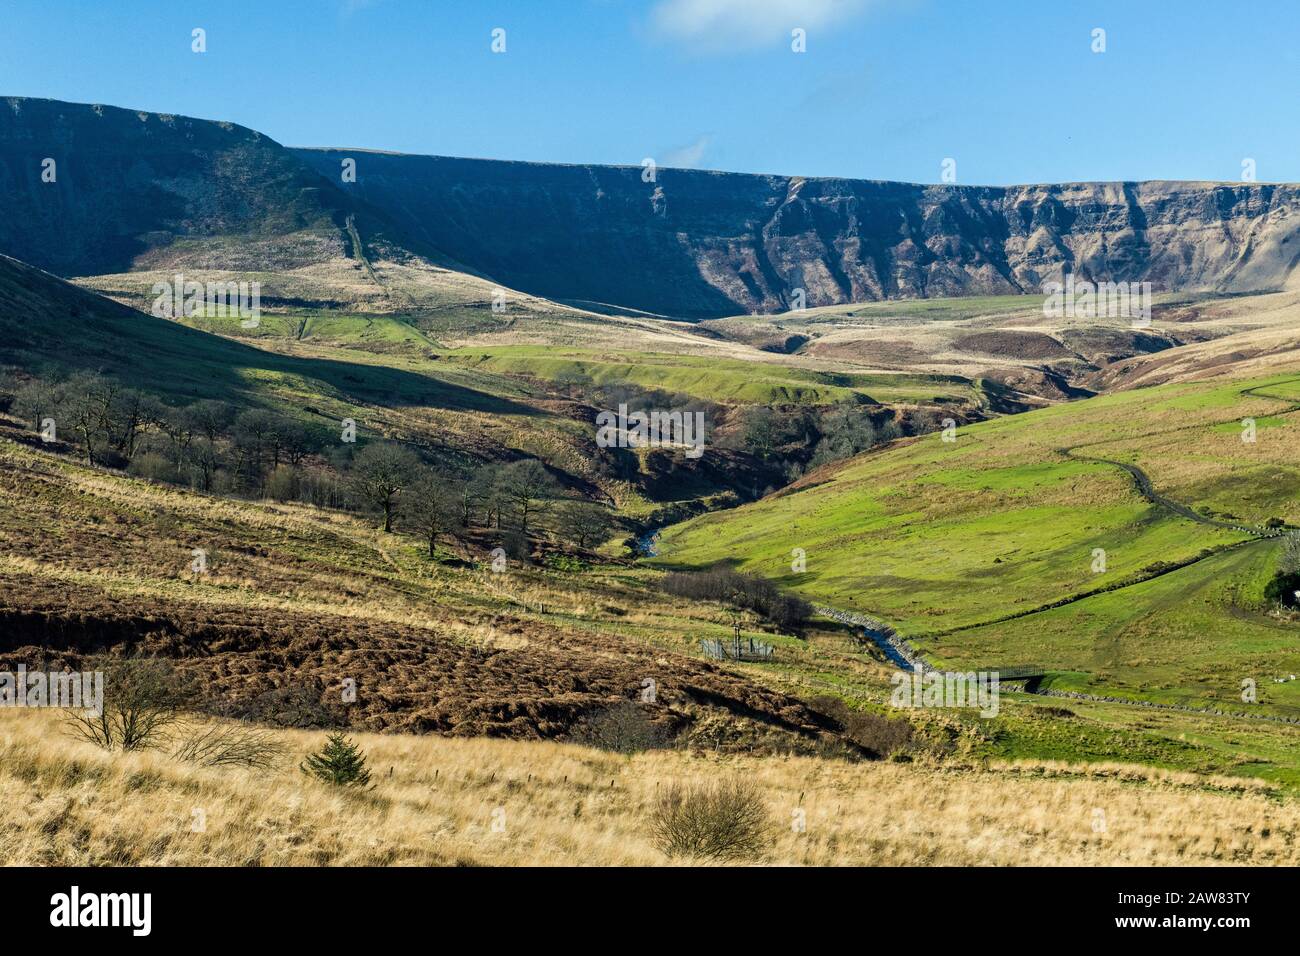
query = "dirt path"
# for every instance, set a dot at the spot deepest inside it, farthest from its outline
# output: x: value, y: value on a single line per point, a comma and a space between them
x: 1147, y: 490
x: 399, y: 300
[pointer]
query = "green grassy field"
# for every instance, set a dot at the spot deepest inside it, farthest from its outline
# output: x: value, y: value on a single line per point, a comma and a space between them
x: 716, y: 379
x: 377, y: 332
x: 962, y: 545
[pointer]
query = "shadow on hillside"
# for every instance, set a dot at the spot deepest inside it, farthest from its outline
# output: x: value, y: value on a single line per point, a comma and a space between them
x: 54, y: 325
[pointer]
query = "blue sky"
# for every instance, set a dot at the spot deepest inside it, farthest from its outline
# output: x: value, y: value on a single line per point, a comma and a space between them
x: 887, y: 89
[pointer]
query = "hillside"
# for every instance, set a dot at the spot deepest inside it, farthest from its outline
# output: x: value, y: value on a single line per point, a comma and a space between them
x: 1009, y: 340
x: 49, y: 324
x: 496, y: 802
x: 295, y: 599
x: 298, y: 598
x: 134, y: 189
x: 706, y: 244
x: 983, y: 551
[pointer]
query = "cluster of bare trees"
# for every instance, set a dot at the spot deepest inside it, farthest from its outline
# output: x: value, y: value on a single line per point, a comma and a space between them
x: 721, y: 583
x: 103, y: 416
x: 809, y: 436
x: 517, y: 502
x: 208, y: 444
x: 213, y: 446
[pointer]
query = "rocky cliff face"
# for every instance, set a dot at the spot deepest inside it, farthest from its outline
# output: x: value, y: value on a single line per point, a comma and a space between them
x: 140, y: 190
x: 132, y: 189
x: 700, y: 243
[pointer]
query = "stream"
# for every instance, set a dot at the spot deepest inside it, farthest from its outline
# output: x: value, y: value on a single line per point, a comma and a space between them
x: 647, y: 545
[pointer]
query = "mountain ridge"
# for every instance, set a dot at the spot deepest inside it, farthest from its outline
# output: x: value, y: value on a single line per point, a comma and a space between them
x: 139, y: 190
x: 701, y: 244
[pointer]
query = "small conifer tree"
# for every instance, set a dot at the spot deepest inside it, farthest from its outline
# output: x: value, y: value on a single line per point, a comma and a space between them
x: 340, y: 763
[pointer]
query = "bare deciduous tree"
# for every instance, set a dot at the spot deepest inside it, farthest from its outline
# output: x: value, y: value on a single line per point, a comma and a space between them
x: 379, y: 473
x: 142, y: 699
x: 525, y: 486
x: 36, y: 400
x: 582, y: 525
x: 428, y: 509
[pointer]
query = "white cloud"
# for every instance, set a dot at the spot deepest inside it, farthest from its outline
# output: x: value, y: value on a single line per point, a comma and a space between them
x: 687, y: 157
x: 723, y: 24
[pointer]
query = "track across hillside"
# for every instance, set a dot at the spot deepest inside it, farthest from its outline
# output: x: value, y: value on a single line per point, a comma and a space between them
x: 902, y: 653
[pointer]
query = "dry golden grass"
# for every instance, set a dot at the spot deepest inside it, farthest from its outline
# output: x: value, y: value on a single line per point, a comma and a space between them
x: 436, y: 802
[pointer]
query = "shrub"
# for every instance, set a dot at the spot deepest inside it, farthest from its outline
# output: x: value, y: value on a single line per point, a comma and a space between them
x: 566, y: 562
x: 153, y: 466
x: 623, y: 728
x: 721, y: 583
x: 1052, y: 712
x: 882, y: 736
x: 340, y: 763
x: 516, y: 546
x: 720, y: 822
x: 230, y: 745
x: 284, y: 484
x: 142, y: 699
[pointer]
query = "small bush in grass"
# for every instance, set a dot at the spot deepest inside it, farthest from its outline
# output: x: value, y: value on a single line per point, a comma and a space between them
x: 721, y: 822
x: 152, y: 466
x: 230, y: 745
x: 284, y: 484
x: 882, y: 736
x: 143, y: 697
x: 565, y: 562
x: 623, y: 728
x: 341, y: 763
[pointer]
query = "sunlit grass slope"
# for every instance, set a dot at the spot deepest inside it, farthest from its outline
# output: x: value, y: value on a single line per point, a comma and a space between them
x: 464, y: 802
x: 937, y: 537
x: 715, y: 378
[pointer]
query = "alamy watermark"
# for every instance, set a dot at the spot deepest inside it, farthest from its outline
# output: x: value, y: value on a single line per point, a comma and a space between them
x: 130, y: 910
x: 1079, y: 298
x: 83, y: 690
x: 186, y: 298
x: 654, y: 429
x: 972, y: 689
